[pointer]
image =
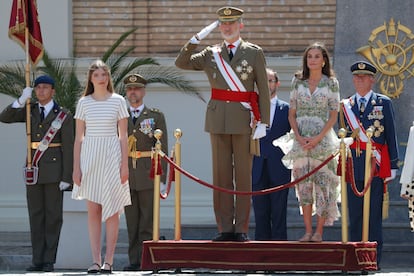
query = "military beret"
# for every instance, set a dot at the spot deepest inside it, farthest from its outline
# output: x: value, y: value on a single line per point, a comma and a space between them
x: 44, y: 79
x: 363, y: 68
x: 135, y: 80
x: 226, y: 14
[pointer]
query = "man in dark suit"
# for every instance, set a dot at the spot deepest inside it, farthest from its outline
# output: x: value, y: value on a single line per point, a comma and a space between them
x: 233, y: 68
x: 141, y: 125
x: 269, y: 171
x: 363, y: 110
x: 45, y: 196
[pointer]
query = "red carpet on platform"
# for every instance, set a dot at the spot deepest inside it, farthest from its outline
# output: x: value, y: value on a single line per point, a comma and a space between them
x: 258, y: 255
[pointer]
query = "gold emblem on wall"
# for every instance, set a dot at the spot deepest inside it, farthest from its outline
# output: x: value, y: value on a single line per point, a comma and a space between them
x: 390, y: 49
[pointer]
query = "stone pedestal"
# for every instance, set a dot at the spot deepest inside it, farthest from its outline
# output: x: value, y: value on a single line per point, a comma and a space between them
x: 74, y: 249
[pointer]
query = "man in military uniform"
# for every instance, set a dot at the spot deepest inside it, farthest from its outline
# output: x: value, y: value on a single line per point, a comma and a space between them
x: 363, y: 110
x: 141, y: 125
x: 54, y: 159
x: 233, y: 68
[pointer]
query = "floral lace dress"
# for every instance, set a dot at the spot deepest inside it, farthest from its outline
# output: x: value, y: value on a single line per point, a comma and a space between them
x: 312, y: 112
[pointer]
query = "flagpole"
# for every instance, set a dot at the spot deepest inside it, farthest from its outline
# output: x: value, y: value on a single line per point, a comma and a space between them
x: 27, y: 77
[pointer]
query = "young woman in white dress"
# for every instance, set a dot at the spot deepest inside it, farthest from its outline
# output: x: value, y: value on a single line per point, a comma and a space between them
x: 100, y: 171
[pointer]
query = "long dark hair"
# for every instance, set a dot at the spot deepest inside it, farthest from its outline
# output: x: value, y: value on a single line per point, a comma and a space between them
x: 326, y: 69
x: 97, y: 64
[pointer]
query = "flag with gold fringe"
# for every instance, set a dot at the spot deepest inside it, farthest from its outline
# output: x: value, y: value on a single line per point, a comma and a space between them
x: 24, y: 15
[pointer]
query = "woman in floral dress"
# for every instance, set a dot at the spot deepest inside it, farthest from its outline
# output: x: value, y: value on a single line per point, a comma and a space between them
x: 314, y: 106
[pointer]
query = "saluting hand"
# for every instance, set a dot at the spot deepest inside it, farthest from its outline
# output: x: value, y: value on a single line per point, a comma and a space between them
x: 203, y: 33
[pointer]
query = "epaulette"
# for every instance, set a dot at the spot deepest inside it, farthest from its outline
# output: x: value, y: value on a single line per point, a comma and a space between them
x: 155, y: 110
x: 253, y: 45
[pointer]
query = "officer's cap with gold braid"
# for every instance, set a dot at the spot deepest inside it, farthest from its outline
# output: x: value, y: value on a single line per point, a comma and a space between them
x: 135, y: 80
x: 363, y: 68
x: 227, y: 14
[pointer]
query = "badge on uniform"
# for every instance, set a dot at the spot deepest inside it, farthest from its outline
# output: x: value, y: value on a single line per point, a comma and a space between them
x: 378, y: 128
x: 146, y: 126
x: 376, y: 113
x: 244, y: 69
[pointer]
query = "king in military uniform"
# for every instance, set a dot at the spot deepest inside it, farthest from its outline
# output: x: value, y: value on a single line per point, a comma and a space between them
x: 233, y: 67
x: 141, y: 125
x: 52, y: 136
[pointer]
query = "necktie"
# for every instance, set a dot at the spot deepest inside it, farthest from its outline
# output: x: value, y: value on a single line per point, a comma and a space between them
x: 135, y: 115
x: 362, y: 105
x: 231, y: 46
x: 42, y: 113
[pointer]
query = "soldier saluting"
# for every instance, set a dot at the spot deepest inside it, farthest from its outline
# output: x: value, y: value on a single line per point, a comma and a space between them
x: 52, y: 137
x: 233, y: 67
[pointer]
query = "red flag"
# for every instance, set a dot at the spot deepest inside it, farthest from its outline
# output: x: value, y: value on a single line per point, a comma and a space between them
x: 24, y: 15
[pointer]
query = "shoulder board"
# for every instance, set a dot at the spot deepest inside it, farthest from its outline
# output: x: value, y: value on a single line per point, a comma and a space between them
x: 252, y: 45
x: 155, y: 110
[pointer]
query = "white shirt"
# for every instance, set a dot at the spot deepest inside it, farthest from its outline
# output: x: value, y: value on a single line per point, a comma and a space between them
x: 235, y: 44
x: 272, y: 109
x: 48, y: 107
x: 367, y: 97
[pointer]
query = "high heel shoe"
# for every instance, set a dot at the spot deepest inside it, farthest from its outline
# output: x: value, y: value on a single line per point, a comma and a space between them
x: 95, y: 268
x: 316, y: 237
x: 307, y: 237
x: 106, y: 269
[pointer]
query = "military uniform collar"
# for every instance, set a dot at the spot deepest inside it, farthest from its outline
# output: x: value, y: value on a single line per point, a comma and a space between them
x: 367, y: 96
x: 235, y: 43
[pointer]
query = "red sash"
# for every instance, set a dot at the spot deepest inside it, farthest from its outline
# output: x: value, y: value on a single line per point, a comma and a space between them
x: 235, y: 96
x: 385, y: 165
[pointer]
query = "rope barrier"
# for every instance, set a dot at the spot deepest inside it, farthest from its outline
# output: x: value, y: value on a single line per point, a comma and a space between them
x: 261, y: 192
x: 352, y: 176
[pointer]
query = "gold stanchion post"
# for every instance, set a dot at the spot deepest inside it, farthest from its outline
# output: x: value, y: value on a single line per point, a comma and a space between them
x: 177, y: 154
x: 344, y: 195
x: 157, y: 181
x: 367, y: 196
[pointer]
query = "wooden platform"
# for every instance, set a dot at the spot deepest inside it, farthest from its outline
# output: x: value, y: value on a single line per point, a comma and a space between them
x: 258, y: 256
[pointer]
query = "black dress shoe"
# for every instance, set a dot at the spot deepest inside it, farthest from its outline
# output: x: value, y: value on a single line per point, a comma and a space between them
x: 35, y: 268
x: 132, y: 267
x: 48, y: 268
x: 241, y: 237
x: 225, y: 236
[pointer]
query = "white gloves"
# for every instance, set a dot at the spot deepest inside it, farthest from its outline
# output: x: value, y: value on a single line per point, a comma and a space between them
x: 63, y: 185
x: 260, y: 131
x: 203, y: 33
x: 393, y: 175
x: 26, y: 94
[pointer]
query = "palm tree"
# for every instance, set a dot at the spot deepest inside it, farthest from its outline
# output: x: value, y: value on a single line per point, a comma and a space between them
x: 69, y: 88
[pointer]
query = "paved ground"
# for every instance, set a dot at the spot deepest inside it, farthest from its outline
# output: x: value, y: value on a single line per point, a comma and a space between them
x: 384, y: 272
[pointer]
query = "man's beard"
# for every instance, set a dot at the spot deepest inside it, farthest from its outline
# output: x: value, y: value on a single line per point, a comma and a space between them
x: 230, y: 36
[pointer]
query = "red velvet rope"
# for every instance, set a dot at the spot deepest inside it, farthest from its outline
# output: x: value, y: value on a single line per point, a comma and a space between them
x: 352, y: 177
x: 171, y: 178
x: 261, y: 192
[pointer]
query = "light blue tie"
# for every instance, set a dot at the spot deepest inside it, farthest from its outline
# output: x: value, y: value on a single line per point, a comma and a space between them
x: 362, y: 104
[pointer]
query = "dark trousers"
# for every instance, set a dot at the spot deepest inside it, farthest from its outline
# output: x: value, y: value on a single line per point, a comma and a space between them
x: 356, y: 205
x: 45, y: 206
x: 269, y: 210
x: 139, y: 219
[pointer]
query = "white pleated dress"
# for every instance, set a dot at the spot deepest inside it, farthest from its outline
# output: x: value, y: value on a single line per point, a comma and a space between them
x: 100, y: 157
